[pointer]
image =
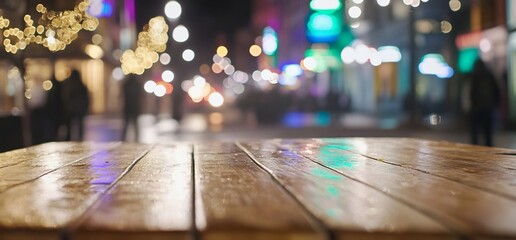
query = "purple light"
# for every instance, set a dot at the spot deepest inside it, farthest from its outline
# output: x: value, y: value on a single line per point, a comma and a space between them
x: 130, y: 10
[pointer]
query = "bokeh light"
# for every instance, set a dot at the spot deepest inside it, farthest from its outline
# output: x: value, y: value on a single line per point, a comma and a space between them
x: 167, y: 76
x: 255, y: 50
x: 309, y: 64
x: 446, y: 27
x: 204, y: 69
x: 47, y: 85
x: 455, y: 5
x: 180, y: 34
x: 164, y: 58
x: 348, y: 55
x: 383, y: 3
x: 117, y: 74
x: 55, y: 30
x: 149, y: 86
x: 173, y: 10
x: 150, y: 43
x: 188, y: 55
x: 97, y: 39
x: 222, y: 51
x: 354, y: 12
x: 160, y: 90
x: 216, y: 99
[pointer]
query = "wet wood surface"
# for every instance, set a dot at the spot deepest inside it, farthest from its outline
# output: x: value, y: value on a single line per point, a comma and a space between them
x: 336, y: 188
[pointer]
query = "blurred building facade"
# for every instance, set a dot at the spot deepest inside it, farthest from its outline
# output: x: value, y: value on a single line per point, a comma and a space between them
x: 426, y: 53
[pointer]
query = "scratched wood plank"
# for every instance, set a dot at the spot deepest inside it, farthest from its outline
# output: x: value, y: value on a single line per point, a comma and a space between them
x: 153, y: 201
x: 482, y: 170
x: 26, y: 165
x: 235, y: 199
x: 47, y: 150
x: 351, y: 209
x: 44, y: 207
x: 467, y: 210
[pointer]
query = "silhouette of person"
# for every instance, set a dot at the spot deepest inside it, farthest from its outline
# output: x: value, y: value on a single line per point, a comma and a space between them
x: 484, y: 97
x: 76, y: 101
x: 39, y: 118
x: 132, y: 94
x: 54, y: 109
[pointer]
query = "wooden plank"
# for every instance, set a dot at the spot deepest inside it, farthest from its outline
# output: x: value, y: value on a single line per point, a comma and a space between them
x: 467, y: 210
x: 53, y: 149
x: 153, y: 201
x: 487, y: 171
x: 25, y: 165
x: 350, y: 209
x: 46, y: 205
x: 235, y: 199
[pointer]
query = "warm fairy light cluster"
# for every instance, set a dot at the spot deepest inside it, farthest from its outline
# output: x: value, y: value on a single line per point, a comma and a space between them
x: 151, y: 41
x: 55, y: 30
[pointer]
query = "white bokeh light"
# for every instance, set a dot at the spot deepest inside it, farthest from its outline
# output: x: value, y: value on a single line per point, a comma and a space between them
x: 361, y: 54
x: 348, y: 55
x: 180, y: 34
x: 160, y: 91
x: 216, y: 99
x: 117, y: 74
x: 149, y: 86
x: 354, y: 12
x: 168, y: 76
x: 173, y: 10
x: 188, y: 55
x: 383, y: 3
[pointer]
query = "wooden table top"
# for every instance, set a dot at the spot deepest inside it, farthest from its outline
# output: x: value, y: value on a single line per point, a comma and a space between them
x: 342, y: 188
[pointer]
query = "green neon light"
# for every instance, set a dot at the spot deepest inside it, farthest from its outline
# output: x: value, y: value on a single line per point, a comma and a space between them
x: 325, y: 5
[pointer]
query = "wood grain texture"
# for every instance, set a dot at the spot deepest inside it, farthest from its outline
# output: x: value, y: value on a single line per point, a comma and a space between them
x: 351, y: 210
x: 341, y: 188
x: 25, y: 165
x: 49, y: 203
x: 467, y: 210
x: 152, y: 201
x: 235, y: 199
x: 481, y: 169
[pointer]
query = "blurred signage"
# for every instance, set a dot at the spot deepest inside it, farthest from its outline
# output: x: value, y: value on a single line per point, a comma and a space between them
x: 100, y: 8
x: 468, y: 40
x: 269, y: 41
x: 325, y: 22
x: 466, y: 60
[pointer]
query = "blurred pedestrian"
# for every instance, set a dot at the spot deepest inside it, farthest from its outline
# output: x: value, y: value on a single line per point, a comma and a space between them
x: 76, y: 102
x: 132, y: 90
x: 485, y: 98
x: 39, y: 119
x: 54, y: 109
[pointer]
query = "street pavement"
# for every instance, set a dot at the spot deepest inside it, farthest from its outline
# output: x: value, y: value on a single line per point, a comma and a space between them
x: 231, y: 126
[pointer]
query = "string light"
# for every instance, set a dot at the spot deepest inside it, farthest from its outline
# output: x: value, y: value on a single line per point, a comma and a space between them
x: 55, y: 30
x: 150, y: 42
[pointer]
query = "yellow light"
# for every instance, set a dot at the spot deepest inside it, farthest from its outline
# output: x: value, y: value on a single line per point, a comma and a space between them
x: 47, y: 85
x: 255, y: 50
x: 97, y: 39
x: 455, y: 5
x: 62, y: 28
x: 222, y: 51
x: 94, y: 51
x: 446, y: 27
x: 150, y: 42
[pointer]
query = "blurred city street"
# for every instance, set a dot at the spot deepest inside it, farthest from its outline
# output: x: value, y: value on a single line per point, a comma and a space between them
x: 254, y: 69
x: 197, y: 127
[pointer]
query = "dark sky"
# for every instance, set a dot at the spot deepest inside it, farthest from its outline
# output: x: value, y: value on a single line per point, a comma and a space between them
x: 206, y: 19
